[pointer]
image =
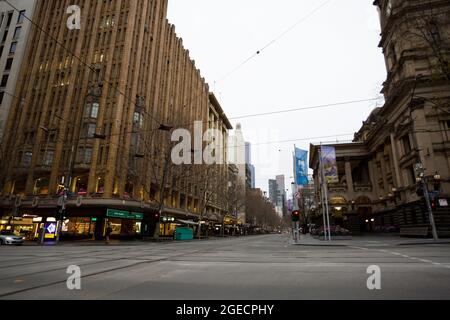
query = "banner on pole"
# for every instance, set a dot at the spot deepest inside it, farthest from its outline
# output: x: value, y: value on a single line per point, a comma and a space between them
x: 301, y: 167
x: 328, y: 155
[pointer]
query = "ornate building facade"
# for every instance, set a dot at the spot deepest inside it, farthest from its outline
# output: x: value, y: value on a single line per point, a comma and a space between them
x: 379, y: 187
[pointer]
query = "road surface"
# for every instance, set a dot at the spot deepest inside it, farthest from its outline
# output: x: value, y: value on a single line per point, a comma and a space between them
x: 251, y: 268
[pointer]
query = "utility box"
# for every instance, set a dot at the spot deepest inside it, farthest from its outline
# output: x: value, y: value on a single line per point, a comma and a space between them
x: 184, y: 234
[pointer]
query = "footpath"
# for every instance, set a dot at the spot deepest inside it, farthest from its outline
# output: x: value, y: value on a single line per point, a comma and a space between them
x: 366, y: 241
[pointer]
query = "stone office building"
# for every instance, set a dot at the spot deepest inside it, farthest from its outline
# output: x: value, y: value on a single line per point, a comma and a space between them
x: 378, y: 187
x: 97, y: 109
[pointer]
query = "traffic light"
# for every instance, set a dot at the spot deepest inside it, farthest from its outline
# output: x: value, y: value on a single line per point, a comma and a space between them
x: 296, y: 216
x: 433, y: 204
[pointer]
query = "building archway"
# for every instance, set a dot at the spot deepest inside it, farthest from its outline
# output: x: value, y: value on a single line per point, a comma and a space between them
x: 338, y: 210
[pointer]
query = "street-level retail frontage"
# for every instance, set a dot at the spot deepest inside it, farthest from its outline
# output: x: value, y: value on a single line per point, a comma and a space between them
x: 88, y: 218
x: 23, y: 226
x: 124, y: 224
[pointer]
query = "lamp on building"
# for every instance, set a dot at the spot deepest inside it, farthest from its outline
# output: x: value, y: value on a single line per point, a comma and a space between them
x: 437, y: 176
x: 437, y: 182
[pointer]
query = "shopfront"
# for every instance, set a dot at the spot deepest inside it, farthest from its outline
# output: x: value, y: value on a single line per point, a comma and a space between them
x: 167, y: 227
x: 19, y: 226
x: 77, y: 228
x: 124, y: 224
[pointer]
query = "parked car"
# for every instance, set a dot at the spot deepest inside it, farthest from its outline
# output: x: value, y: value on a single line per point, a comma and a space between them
x: 8, y: 238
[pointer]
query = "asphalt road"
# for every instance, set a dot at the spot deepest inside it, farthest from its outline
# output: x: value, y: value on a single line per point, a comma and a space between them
x: 253, y: 268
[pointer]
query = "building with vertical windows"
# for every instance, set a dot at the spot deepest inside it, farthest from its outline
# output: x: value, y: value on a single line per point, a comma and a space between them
x: 273, y: 190
x: 281, y: 195
x: 250, y: 168
x: 14, y: 32
x: 96, y: 111
x: 237, y: 156
x: 380, y: 188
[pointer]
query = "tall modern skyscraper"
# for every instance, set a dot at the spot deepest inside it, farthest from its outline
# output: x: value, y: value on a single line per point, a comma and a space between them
x: 237, y: 156
x: 281, y: 194
x: 273, y: 191
x: 251, y: 171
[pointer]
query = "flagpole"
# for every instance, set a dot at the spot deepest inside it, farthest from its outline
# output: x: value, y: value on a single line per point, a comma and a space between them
x: 328, y: 211
x: 322, y: 193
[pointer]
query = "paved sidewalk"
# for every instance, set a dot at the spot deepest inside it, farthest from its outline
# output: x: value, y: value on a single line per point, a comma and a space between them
x: 367, y: 241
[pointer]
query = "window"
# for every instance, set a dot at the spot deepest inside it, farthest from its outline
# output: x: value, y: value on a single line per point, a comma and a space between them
x: 17, y: 33
x: 2, y: 95
x: 1, y: 51
x: 84, y: 155
x: 138, y: 119
x: 412, y: 176
x: 406, y: 145
x: 2, y: 17
x: 21, y: 16
x: 87, y: 155
x: 94, y: 111
x: 4, y: 81
x: 13, y: 48
x: 91, y: 130
x: 9, y: 63
x: 48, y: 158
x: 448, y: 124
x: 10, y: 16
x: 5, y: 35
x: 26, y: 160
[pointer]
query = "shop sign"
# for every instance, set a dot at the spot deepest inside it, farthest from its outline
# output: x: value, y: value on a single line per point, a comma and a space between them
x: 112, y: 213
x: 50, y: 231
x: 443, y: 202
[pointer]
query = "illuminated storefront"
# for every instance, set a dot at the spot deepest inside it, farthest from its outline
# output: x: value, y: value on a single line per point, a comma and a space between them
x: 19, y: 226
x: 123, y: 223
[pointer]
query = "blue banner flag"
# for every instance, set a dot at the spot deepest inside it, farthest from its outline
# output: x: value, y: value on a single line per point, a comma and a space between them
x: 301, y: 167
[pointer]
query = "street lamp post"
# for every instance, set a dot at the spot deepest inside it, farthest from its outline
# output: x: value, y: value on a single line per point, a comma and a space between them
x: 424, y: 182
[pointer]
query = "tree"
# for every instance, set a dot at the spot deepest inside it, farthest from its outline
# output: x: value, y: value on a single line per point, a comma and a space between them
x: 261, y: 212
x: 425, y: 32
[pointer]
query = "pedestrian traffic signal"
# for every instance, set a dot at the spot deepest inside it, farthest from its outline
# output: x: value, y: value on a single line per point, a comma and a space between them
x: 296, y: 216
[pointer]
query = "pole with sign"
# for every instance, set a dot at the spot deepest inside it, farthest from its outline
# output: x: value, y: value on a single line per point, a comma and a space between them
x: 420, y: 172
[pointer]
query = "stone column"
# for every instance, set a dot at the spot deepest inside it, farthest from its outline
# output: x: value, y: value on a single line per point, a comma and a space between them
x: 395, y: 159
x: 348, y: 174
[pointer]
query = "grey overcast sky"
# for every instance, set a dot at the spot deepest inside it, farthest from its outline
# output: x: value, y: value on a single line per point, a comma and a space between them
x: 331, y: 57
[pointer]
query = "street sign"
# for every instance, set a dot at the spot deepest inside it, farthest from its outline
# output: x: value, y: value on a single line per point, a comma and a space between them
x: 112, y: 213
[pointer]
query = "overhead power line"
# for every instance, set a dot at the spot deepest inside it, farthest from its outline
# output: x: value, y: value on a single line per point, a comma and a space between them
x: 276, y: 39
x: 303, y: 108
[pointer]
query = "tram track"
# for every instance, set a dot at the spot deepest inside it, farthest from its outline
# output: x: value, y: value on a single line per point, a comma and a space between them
x: 211, y: 247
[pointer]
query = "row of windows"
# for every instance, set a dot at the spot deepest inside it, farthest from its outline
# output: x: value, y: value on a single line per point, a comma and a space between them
x: 20, y: 18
